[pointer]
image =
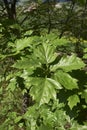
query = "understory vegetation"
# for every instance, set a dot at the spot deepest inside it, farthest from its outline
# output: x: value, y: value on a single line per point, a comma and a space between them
x: 43, y: 65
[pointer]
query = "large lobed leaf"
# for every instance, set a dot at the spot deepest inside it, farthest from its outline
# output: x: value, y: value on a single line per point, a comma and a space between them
x: 21, y: 44
x: 45, y: 53
x: 26, y: 63
x: 69, y: 63
x: 66, y: 80
x: 44, y: 89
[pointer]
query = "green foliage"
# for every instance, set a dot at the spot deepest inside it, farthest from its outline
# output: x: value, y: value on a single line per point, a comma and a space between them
x: 41, y: 86
x: 82, y: 1
x: 44, y: 74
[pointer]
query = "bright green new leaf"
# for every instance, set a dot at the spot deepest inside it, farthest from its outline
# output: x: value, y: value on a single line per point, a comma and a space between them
x: 73, y: 100
x: 45, y: 53
x: 84, y: 95
x: 69, y: 63
x: 66, y: 80
x: 44, y: 89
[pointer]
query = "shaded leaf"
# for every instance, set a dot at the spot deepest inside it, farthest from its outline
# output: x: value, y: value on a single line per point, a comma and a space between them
x: 82, y: 1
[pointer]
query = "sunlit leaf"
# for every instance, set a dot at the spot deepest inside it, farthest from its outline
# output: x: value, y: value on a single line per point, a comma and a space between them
x: 26, y: 63
x: 22, y: 43
x: 45, y: 53
x: 12, y: 85
x: 69, y: 63
x: 44, y: 90
x: 73, y: 100
x: 84, y: 95
x: 17, y: 119
x: 66, y: 80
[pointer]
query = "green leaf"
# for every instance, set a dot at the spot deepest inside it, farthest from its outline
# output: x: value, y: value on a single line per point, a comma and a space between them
x: 55, y: 83
x: 85, y: 56
x: 17, y: 119
x: 43, y: 127
x: 28, y: 33
x: 66, y: 80
x: 85, y: 50
x: 26, y: 63
x: 20, y: 125
x: 84, y: 95
x: 82, y: 1
x: 45, y: 53
x: 68, y: 63
x: 85, y: 53
x: 44, y: 89
x: 73, y: 100
x: 22, y: 64
x: 31, y: 42
x: 22, y: 43
x: 12, y: 85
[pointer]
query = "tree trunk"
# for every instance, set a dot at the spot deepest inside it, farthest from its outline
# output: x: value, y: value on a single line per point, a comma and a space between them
x: 11, y: 9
